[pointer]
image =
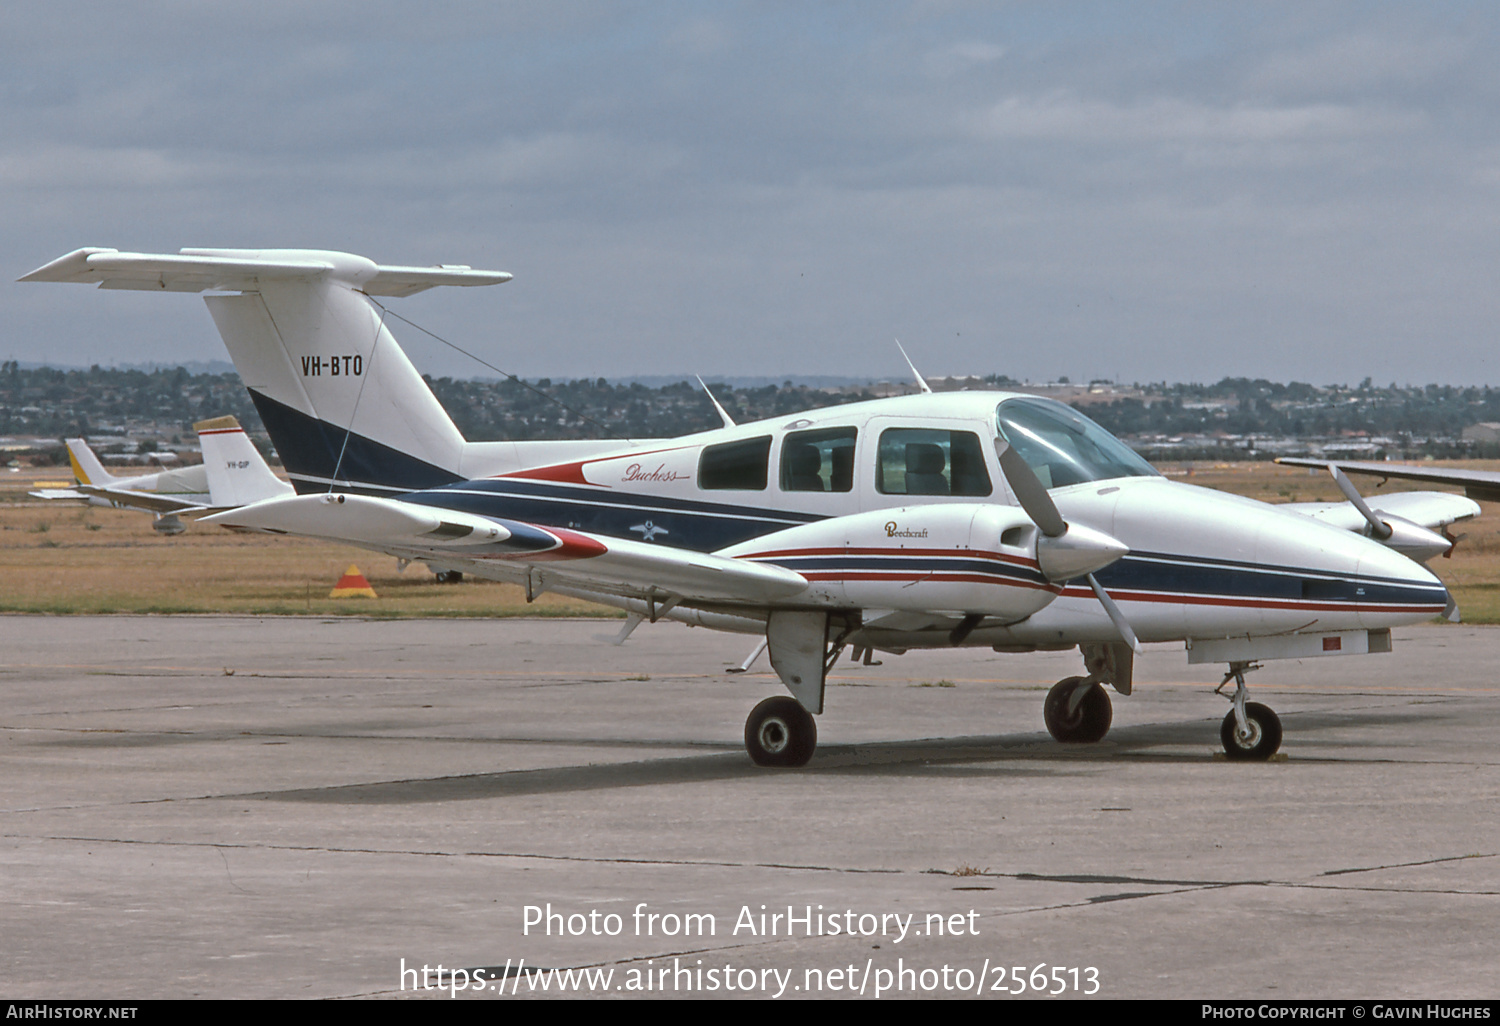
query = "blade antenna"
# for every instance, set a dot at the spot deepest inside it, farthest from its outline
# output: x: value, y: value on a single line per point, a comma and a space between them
x: 723, y: 414
x: 922, y: 384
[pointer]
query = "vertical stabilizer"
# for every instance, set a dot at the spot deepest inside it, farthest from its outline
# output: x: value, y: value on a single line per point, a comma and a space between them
x: 86, y: 466
x: 237, y: 474
x: 344, y: 406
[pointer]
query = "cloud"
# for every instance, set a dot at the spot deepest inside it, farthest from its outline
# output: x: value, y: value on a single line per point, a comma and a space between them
x: 1067, y: 118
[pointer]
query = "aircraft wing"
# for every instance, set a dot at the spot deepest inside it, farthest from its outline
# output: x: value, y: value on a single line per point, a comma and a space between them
x: 1429, y: 509
x: 147, y: 501
x: 518, y: 552
x: 59, y: 494
x: 1477, y: 484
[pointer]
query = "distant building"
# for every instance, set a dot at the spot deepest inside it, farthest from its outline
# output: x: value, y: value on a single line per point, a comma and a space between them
x: 1488, y: 431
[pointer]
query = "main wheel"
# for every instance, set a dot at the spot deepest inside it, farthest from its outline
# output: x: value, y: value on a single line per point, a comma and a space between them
x: 1077, y: 711
x: 780, y: 732
x: 1264, y: 738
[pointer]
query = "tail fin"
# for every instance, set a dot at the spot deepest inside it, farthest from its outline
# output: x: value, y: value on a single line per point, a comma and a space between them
x: 86, y: 466
x: 237, y: 473
x: 341, y: 401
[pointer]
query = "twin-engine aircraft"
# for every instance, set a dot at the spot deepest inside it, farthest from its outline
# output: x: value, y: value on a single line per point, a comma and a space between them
x: 933, y: 520
x: 232, y: 474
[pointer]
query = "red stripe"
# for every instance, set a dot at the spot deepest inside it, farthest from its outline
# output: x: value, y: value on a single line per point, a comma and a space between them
x: 572, y: 473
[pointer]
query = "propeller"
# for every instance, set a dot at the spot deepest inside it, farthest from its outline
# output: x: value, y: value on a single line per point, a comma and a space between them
x: 1379, y: 529
x: 1410, y: 539
x: 1064, y: 551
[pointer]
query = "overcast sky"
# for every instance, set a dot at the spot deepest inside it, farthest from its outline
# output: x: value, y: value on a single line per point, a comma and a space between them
x: 1167, y: 191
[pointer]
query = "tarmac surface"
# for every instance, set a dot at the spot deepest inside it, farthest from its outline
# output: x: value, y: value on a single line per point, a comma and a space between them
x: 289, y: 807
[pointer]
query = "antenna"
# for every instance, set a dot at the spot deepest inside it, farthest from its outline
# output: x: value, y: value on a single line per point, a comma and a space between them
x: 723, y: 415
x: 914, y: 372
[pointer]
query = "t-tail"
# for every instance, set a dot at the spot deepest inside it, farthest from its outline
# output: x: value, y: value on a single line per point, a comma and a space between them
x: 343, y: 405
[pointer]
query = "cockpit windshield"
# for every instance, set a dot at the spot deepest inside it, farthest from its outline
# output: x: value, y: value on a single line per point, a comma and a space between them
x: 1063, y: 446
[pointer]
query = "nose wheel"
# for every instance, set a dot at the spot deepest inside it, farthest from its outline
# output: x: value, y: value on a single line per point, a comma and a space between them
x: 1077, y: 711
x: 1258, y: 741
x: 1251, y: 732
x: 780, y: 732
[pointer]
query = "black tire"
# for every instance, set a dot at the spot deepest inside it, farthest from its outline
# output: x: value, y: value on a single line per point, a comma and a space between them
x: 1086, y: 721
x: 449, y: 576
x: 1264, y: 739
x: 780, y: 732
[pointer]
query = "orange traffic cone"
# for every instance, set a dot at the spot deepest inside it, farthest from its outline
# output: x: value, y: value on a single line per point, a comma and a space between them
x: 352, y: 585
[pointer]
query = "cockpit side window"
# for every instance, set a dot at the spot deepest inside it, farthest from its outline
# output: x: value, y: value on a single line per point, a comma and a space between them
x: 736, y: 465
x: 818, y: 461
x: 1063, y: 446
x: 925, y: 461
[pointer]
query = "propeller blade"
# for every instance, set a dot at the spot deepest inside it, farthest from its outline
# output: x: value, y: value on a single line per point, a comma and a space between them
x: 1118, y: 618
x: 1028, y: 490
x: 1379, y: 529
x: 1451, y: 613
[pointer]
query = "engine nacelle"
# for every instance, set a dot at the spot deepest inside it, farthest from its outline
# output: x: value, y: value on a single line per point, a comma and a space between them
x: 963, y: 558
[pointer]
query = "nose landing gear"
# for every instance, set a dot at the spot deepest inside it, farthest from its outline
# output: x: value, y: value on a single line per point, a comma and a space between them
x: 1251, y: 732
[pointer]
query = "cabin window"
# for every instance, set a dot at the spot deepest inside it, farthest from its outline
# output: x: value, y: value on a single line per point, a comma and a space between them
x: 923, y: 461
x: 818, y: 461
x: 736, y: 465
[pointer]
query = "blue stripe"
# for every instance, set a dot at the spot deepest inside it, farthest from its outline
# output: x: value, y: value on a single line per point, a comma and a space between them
x: 1187, y: 575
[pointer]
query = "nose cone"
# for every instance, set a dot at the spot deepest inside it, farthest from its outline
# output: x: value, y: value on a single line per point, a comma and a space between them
x: 1392, y: 590
x: 1078, y: 551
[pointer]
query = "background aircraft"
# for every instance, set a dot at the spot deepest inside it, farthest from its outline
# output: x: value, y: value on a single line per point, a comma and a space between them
x: 233, y: 473
x: 980, y: 518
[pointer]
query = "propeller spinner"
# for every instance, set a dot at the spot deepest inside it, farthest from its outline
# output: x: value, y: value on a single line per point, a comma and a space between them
x: 1065, y: 551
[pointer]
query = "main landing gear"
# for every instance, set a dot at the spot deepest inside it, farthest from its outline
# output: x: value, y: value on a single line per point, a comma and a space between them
x: 1077, y: 711
x: 780, y: 732
x: 1251, y: 732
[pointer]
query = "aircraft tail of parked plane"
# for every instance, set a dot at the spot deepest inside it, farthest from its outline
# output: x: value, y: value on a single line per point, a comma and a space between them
x: 304, y: 327
x: 86, y: 466
x: 237, y: 474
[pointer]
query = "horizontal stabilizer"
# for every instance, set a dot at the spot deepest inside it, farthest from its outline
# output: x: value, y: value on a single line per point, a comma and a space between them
x: 245, y: 270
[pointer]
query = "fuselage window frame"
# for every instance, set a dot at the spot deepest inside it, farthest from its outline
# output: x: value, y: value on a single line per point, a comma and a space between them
x: 820, y: 460
x: 739, y: 466
x: 927, y: 464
